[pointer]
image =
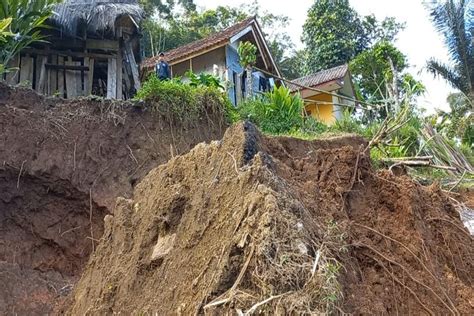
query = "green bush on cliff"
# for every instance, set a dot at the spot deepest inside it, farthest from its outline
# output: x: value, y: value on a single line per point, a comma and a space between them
x: 183, y: 101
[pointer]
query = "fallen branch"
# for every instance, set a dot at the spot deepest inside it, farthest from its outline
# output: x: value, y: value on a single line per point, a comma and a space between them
x: 356, y: 169
x: 420, y: 163
x: 254, y: 307
x: 408, y: 158
x: 230, y: 293
x: 458, y: 182
x: 315, y: 264
x: 443, y: 152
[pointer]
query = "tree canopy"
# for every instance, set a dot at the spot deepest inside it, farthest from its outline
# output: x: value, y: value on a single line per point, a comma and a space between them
x: 333, y: 34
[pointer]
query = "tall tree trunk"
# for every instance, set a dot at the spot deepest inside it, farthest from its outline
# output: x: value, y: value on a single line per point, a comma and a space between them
x: 249, y: 83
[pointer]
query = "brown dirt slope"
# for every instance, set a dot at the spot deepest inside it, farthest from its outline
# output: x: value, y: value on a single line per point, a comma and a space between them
x: 279, y: 226
x: 95, y: 144
x: 62, y: 166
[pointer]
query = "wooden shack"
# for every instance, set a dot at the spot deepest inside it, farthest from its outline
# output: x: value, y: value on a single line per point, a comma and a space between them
x: 92, y: 48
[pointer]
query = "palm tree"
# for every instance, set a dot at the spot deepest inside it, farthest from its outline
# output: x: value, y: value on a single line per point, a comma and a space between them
x: 455, y: 20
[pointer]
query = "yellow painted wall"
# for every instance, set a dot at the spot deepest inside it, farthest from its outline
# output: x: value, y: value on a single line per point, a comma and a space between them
x: 322, y: 112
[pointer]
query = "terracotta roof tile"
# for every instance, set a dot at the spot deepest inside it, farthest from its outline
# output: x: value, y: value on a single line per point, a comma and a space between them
x: 320, y: 77
x: 199, y: 45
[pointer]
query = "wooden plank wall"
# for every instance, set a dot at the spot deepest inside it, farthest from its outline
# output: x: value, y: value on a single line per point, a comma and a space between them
x: 26, y: 71
x: 133, y: 64
x: 13, y: 76
x: 61, y: 77
x: 52, y: 75
x: 40, y: 80
x: 88, y: 78
x: 40, y: 70
x: 76, y: 82
x: 119, y: 76
x: 71, y: 82
x: 112, y: 78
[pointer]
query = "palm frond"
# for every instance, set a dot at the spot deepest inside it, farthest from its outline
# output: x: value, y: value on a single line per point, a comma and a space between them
x: 447, y: 72
x: 454, y: 19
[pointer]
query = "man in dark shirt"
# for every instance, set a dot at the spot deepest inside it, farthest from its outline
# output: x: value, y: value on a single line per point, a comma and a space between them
x: 162, y: 68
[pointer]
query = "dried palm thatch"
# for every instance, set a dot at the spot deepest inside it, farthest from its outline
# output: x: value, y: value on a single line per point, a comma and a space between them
x: 443, y: 152
x: 98, y: 16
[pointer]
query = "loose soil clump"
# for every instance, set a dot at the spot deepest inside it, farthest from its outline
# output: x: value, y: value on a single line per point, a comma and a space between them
x: 253, y: 224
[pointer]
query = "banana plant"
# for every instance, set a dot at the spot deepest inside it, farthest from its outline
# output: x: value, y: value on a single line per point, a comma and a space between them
x: 4, y: 35
x: 26, y: 19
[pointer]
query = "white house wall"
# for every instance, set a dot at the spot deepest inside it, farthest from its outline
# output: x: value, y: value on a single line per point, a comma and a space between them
x: 210, y: 62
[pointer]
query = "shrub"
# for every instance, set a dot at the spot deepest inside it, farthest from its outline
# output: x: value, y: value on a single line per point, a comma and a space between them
x: 203, y: 79
x: 276, y: 112
x: 347, y: 124
x: 313, y: 126
x: 183, y: 102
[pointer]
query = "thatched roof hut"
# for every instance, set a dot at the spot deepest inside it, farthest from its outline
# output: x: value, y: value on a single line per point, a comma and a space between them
x: 92, y: 48
x: 95, y: 16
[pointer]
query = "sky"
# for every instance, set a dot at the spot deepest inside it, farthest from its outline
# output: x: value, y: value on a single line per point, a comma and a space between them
x: 419, y: 41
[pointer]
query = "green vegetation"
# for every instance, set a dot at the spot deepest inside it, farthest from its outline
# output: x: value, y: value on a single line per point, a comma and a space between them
x: 281, y: 113
x: 333, y: 34
x: 375, y: 70
x: 275, y: 112
x: 4, y: 32
x: 26, y: 19
x: 203, y: 79
x: 248, y: 57
x: 4, y: 35
x: 455, y: 21
x: 185, y: 102
x: 247, y: 54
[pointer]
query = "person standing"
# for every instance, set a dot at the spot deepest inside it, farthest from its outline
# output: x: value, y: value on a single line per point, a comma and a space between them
x: 162, y: 68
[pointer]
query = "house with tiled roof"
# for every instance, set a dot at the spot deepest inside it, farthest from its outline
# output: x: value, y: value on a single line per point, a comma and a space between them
x: 217, y: 54
x: 326, y: 93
